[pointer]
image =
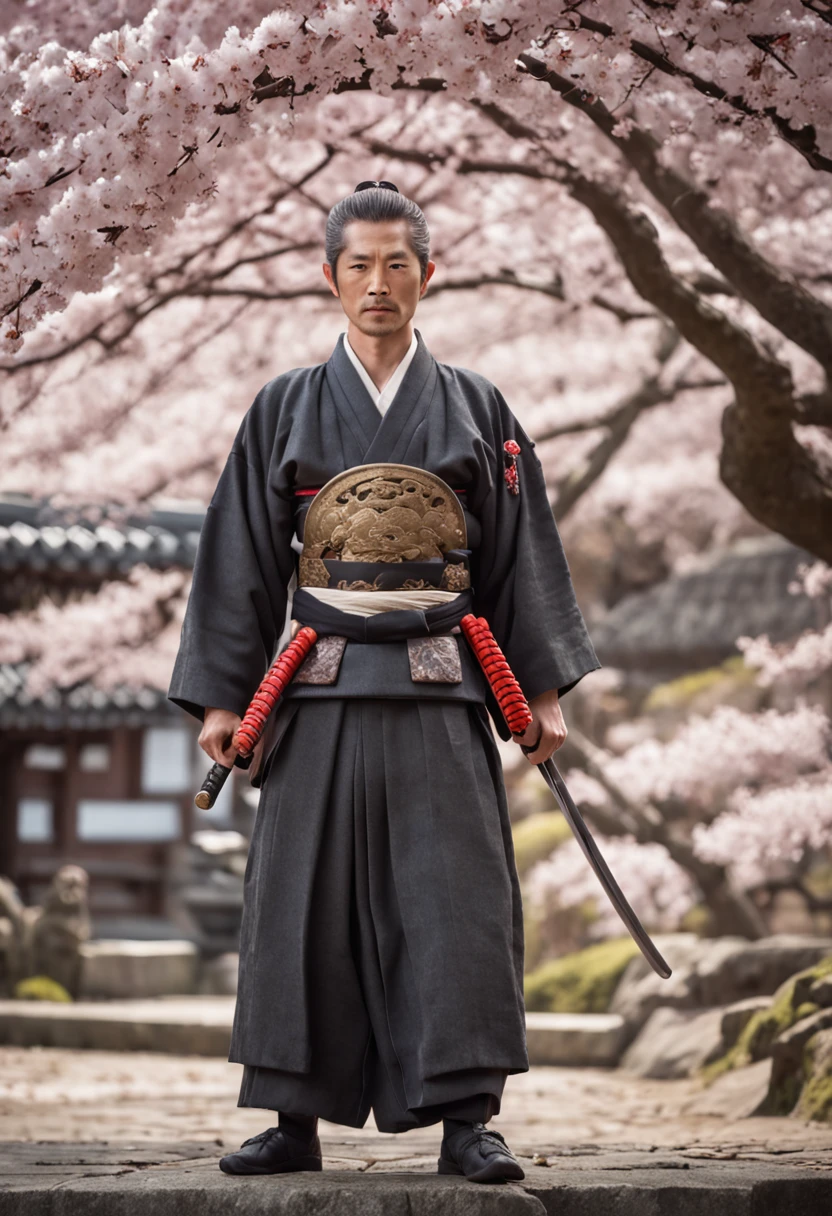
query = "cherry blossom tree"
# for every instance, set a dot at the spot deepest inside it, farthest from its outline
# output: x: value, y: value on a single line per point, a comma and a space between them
x: 734, y: 808
x: 116, y: 138
x: 632, y: 200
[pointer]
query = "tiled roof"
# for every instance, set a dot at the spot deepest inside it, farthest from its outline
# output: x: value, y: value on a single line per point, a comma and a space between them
x: 40, y: 542
x: 692, y: 620
x: 82, y: 708
x: 37, y: 537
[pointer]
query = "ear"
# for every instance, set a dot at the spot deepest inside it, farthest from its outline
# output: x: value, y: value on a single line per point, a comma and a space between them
x: 429, y: 269
x: 327, y: 269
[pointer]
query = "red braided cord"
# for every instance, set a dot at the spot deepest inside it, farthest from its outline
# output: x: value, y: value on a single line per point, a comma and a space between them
x: 498, y: 673
x: 271, y: 689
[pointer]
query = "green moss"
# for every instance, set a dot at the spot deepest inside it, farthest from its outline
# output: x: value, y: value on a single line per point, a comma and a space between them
x: 782, y: 1097
x: 710, y: 1072
x: 675, y: 694
x: 819, y: 881
x: 698, y: 920
x: 40, y: 988
x: 788, y: 1006
x: 816, y: 1095
x: 816, y: 1100
x: 579, y: 983
x: 537, y: 836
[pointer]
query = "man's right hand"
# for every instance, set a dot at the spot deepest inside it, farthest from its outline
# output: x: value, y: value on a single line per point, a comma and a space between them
x: 218, y: 729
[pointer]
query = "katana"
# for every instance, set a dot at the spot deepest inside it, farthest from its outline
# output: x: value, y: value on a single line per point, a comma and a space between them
x: 248, y: 733
x: 518, y: 716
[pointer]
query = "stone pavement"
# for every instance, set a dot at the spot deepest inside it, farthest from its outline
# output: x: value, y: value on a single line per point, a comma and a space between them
x: 103, y: 1133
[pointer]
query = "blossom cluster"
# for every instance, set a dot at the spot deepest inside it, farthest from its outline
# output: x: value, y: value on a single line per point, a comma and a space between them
x: 110, y: 135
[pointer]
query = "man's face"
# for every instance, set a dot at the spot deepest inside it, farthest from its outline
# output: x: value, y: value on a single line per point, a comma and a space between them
x: 379, y: 278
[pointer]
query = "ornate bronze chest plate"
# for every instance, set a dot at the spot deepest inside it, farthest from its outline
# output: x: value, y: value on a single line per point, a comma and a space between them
x: 380, y: 513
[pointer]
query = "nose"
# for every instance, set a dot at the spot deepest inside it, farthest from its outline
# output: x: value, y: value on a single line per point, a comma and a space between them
x: 378, y: 284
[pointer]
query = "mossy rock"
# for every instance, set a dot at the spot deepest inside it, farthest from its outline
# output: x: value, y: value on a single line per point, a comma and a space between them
x: 40, y: 988
x: 816, y: 1096
x: 679, y: 693
x: 583, y: 982
x: 788, y: 1006
x: 536, y: 837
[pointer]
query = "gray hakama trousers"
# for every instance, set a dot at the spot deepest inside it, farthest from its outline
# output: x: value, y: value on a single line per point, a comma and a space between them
x: 381, y: 954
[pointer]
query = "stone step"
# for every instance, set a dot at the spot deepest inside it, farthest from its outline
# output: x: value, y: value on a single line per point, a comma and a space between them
x: 46, y: 1179
x: 575, y: 1038
x: 201, y: 1025
x: 184, y: 1025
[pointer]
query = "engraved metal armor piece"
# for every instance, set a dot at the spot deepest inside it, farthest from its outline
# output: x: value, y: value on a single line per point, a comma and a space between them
x: 380, y: 513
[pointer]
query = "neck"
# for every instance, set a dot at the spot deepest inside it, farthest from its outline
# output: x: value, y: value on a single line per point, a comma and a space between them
x: 380, y: 355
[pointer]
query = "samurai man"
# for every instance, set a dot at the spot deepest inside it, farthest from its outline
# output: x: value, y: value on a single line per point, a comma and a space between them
x: 389, y: 494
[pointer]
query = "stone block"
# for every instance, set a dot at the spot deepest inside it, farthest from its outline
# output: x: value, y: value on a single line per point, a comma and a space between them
x: 218, y: 976
x: 640, y: 990
x: 737, y: 1016
x: 711, y: 972
x: 734, y: 1095
x: 821, y: 992
x: 674, y: 1043
x: 115, y: 969
x: 789, y: 1045
x: 185, y: 1026
x: 574, y: 1038
x: 816, y: 1096
x: 183, y: 1180
x: 756, y: 968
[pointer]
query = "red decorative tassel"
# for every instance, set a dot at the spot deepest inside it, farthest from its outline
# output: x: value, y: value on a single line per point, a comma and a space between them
x: 507, y: 691
x: 271, y: 689
x: 512, y: 451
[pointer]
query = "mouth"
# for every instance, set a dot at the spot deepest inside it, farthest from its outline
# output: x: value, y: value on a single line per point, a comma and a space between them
x: 378, y: 309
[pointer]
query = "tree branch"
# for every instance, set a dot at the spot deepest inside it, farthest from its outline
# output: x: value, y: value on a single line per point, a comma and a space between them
x: 734, y: 912
x: 803, y: 139
x: 777, y: 480
x: 619, y: 423
x: 778, y: 297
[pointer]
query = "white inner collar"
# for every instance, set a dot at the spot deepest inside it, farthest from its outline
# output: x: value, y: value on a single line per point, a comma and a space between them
x: 382, y: 397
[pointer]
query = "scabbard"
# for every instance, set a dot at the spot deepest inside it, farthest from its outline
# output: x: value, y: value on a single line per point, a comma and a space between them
x: 516, y: 710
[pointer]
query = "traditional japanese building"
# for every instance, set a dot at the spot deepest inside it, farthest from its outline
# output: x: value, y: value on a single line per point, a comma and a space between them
x: 104, y: 779
x: 692, y: 619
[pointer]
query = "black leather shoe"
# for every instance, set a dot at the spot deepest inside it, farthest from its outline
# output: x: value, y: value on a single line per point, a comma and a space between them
x: 273, y: 1152
x: 480, y: 1154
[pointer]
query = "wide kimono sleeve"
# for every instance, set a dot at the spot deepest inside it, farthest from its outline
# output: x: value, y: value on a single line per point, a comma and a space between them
x: 522, y: 582
x: 244, y: 561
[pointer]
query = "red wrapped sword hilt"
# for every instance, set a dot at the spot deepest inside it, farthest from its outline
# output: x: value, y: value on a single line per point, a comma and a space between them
x: 263, y: 702
x: 507, y: 691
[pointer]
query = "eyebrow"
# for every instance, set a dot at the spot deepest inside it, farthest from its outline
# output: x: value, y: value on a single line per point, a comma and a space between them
x: 365, y: 257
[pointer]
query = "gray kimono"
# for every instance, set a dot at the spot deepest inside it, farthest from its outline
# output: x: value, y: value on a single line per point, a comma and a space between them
x: 381, y: 955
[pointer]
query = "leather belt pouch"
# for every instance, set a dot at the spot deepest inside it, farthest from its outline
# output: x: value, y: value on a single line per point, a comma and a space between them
x: 434, y: 660
x: 323, y: 662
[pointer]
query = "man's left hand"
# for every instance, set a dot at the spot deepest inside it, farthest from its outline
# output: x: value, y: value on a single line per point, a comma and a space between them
x: 547, y: 723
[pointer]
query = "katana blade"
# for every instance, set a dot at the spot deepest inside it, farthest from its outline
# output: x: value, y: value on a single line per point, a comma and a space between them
x: 602, y: 871
x: 509, y: 696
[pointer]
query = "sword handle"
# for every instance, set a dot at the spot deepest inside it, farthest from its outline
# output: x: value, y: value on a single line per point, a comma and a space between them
x: 211, y: 786
x: 209, y: 791
x: 494, y: 663
x: 254, y: 720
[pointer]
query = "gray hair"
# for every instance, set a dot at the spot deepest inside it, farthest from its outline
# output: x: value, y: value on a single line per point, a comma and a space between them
x: 375, y: 205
